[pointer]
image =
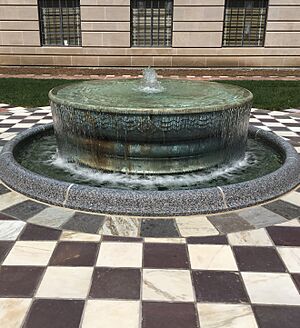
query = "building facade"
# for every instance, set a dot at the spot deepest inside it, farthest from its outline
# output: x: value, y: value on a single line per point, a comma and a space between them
x: 160, y: 33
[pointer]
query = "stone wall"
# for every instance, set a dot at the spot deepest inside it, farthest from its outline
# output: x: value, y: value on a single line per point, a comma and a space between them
x: 197, y: 37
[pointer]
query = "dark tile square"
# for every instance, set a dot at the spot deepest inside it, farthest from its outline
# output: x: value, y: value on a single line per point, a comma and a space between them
x: 285, y: 236
x: 158, y: 228
x: 165, y: 256
x: 169, y: 315
x: 258, y: 259
x: 19, y: 281
x: 35, y: 232
x: 216, y: 240
x: 85, y: 222
x: 118, y: 283
x: 25, y: 210
x: 269, y: 316
x: 3, y: 189
x: 231, y: 222
x: 287, y: 210
x: 122, y: 239
x: 50, y: 313
x: 219, y: 286
x: 296, y: 278
x: 74, y: 254
x: 5, y: 247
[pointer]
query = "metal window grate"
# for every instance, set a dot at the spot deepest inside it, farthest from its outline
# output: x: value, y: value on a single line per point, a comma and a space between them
x: 245, y: 23
x: 151, y: 23
x: 60, y: 22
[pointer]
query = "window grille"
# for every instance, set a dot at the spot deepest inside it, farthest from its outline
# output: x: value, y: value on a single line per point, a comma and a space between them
x: 60, y: 22
x: 151, y: 23
x: 245, y: 23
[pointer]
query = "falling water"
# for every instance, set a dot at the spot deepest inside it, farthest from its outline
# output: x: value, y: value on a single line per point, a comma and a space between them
x: 149, y: 83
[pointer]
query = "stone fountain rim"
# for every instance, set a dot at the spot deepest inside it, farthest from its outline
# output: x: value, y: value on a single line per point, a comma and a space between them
x: 151, y: 203
x: 150, y: 110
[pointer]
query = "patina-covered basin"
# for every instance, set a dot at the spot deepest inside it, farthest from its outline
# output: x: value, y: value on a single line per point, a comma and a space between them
x: 112, y: 125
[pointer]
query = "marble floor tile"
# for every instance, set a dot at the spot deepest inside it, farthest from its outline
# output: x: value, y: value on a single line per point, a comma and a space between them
x: 159, y: 228
x: 120, y: 226
x: 269, y: 316
x: 250, y: 238
x: 52, y: 217
x: 290, y: 223
x: 216, y: 240
x: 68, y: 235
x: 48, y: 313
x: 293, y: 198
x: 284, y: 236
x: 219, y: 286
x: 35, y: 232
x: 65, y: 282
x: 25, y: 210
x: 283, y: 208
x: 5, y: 247
x: 260, y: 217
x: 167, y: 285
x: 218, y: 315
x: 118, y: 254
x: 163, y: 256
x: 291, y: 258
x: 10, y: 199
x: 19, y: 281
x: 116, y: 283
x: 112, y: 314
x: 13, y: 311
x: 212, y: 257
x: 259, y: 259
x: 165, y: 240
x: 195, y: 226
x: 10, y: 230
x: 271, y: 288
x: 74, y: 253
x: 84, y: 222
x: 30, y: 253
x: 230, y: 222
x: 169, y: 315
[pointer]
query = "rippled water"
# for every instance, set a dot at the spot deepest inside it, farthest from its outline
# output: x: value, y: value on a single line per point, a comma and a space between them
x: 40, y: 156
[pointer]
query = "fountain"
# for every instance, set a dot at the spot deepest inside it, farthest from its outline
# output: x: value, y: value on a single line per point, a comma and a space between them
x: 150, y: 147
x: 150, y: 127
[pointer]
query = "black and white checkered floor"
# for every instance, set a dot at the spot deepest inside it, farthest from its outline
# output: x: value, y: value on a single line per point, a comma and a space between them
x: 64, y: 268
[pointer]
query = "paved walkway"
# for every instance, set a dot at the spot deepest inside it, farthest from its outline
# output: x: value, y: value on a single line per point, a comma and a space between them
x: 65, y: 268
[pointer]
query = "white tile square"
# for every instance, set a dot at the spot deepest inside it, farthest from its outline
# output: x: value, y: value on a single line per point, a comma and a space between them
x: 291, y: 258
x: 30, y: 253
x: 10, y: 199
x: 10, y: 230
x: 292, y: 197
x: 167, y: 285
x: 52, y: 217
x: 195, y: 226
x: 220, y: 315
x: 286, y: 133
x: 271, y: 288
x: 212, y: 257
x: 65, y: 282
x: 294, y: 128
x: 119, y: 254
x: 111, y: 314
x: 257, y: 237
x: 13, y: 311
x: 68, y: 235
x: 290, y: 223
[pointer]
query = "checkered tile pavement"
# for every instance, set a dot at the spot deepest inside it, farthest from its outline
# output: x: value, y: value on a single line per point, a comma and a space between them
x: 54, y: 278
x: 171, y: 273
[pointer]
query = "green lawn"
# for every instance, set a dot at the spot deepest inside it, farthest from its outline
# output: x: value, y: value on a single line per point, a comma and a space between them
x: 267, y: 94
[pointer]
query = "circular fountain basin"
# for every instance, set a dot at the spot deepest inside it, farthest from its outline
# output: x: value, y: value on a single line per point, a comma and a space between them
x: 113, y: 125
x: 218, y: 198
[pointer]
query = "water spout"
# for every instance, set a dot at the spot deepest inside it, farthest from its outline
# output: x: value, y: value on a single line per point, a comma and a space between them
x: 149, y: 83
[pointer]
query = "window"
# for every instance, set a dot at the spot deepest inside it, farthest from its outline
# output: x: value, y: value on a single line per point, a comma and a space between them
x: 60, y: 22
x: 245, y: 23
x: 151, y: 23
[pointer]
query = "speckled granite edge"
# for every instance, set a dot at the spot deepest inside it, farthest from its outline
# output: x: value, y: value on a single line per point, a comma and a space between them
x: 151, y: 203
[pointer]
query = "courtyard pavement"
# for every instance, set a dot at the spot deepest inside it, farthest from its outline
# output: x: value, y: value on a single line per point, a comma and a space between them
x: 68, y: 269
